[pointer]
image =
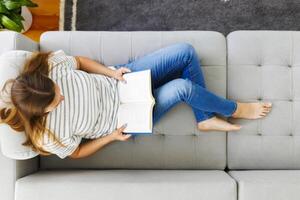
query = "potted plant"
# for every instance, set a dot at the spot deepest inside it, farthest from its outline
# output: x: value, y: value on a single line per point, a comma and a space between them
x: 15, y: 15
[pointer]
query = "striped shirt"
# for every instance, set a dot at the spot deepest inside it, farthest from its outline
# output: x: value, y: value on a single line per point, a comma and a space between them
x: 89, y: 109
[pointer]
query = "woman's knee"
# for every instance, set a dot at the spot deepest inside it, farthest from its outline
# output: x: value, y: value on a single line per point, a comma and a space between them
x: 182, y: 86
x: 186, y: 49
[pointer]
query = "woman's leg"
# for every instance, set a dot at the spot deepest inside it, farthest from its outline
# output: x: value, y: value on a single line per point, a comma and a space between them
x: 184, y: 90
x: 180, y: 61
x: 174, y: 61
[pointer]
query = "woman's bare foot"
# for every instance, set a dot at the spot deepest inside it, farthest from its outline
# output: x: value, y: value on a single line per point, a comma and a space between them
x: 217, y: 124
x: 252, y: 110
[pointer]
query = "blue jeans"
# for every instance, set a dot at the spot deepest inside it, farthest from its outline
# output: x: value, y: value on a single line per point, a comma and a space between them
x: 177, y: 77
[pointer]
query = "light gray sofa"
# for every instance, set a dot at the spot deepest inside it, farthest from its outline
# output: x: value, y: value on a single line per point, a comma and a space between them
x: 259, y: 162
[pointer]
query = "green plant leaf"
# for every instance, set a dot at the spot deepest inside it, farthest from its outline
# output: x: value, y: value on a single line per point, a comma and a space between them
x: 11, y: 5
x: 17, y: 19
x: 17, y: 10
x: 10, y: 24
x: 10, y: 13
x: 3, y: 9
x: 16, y: 15
x: 28, y: 3
x: 16, y: 4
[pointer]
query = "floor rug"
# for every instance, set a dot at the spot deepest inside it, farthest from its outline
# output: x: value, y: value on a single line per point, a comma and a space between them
x: 167, y: 15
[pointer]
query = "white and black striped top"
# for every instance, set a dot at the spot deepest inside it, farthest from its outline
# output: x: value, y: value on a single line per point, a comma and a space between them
x: 89, y: 109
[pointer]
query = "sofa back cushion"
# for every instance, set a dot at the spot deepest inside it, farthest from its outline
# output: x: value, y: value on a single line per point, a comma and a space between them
x: 265, y: 66
x: 176, y: 143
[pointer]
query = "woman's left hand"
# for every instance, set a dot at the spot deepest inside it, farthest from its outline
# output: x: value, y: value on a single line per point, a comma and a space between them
x: 118, y: 74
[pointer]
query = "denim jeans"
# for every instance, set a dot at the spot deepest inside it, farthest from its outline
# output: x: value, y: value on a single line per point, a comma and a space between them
x: 177, y: 77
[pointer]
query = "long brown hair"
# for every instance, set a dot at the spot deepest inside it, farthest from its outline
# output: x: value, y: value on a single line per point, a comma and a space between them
x: 30, y: 94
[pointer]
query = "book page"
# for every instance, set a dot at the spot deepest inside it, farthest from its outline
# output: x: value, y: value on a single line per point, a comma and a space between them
x: 137, y: 88
x: 138, y: 117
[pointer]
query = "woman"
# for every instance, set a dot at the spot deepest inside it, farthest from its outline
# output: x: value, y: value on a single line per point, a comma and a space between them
x: 58, y: 99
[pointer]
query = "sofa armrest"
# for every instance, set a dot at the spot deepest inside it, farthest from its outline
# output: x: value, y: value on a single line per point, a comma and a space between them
x: 10, y: 40
x: 12, y: 170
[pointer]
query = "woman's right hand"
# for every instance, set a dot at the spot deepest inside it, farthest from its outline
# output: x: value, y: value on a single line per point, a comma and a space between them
x: 118, y: 134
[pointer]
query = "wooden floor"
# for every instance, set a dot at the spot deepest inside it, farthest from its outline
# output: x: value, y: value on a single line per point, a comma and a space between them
x: 45, y: 18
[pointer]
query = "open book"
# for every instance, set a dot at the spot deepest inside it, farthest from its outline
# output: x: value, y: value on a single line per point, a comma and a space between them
x: 136, y: 102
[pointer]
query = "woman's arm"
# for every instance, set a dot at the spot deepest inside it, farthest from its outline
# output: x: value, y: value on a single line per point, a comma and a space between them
x: 94, y: 67
x: 95, y: 145
x: 91, y: 66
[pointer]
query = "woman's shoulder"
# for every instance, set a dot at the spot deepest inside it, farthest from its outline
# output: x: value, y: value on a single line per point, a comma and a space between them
x: 62, y: 147
x: 54, y: 59
x: 59, y: 59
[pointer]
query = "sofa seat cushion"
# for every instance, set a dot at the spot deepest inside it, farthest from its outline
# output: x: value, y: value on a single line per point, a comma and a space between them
x: 126, y: 184
x: 268, y: 185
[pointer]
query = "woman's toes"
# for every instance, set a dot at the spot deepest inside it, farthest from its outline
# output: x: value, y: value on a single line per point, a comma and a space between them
x: 267, y: 105
x: 236, y: 127
x: 266, y: 108
x: 252, y: 110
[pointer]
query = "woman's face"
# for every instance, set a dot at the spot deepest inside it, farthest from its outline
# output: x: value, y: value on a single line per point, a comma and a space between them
x: 57, y: 99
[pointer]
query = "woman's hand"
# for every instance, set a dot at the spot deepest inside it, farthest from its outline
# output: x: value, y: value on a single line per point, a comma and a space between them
x: 118, y: 134
x: 88, y: 148
x: 118, y: 74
